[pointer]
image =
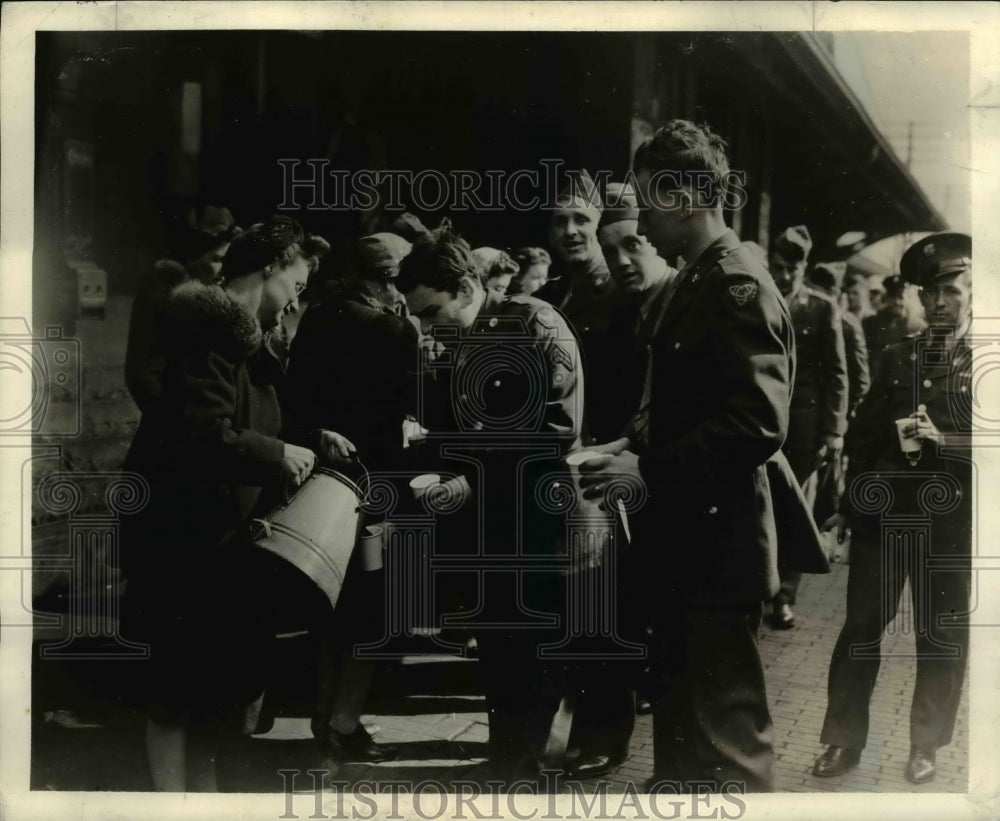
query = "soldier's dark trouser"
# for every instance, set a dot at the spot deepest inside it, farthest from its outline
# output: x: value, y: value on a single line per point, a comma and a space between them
x: 522, y: 695
x: 522, y: 691
x: 711, y: 722
x: 605, y: 709
x: 874, y: 587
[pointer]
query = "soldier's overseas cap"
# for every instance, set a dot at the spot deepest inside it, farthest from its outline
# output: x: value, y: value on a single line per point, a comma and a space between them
x: 620, y: 203
x: 794, y: 243
x: 894, y: 286
x: 936, y: 256
x: 579, y: 185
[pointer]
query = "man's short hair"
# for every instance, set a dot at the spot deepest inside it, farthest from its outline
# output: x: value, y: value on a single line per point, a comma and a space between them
x: 276, y: 241
x: 439, y: 260
x: 824, y: 278
x: 689, y: 154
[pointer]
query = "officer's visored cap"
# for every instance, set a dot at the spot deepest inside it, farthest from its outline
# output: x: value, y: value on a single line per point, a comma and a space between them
x: 794, y: 244
x: 620, y: 203
x: 935, y: 257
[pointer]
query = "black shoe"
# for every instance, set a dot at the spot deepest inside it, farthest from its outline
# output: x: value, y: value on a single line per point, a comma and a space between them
x: 356, y: 746
x: 782, y: 617
x: 588, y: 765
x: 921, y: 767
x: 643, y: 706
x: 591, y: 765
x: 836, y: 761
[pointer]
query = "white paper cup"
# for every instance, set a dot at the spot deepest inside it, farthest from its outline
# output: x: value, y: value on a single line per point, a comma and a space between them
x: 574, y: 460
x: 419, y: 484
x: 458, y: 488
x: 371, y: 547
x: 911, y: 444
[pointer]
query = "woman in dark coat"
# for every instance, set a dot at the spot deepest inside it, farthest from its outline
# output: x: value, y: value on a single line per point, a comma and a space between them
x: 210, y: 452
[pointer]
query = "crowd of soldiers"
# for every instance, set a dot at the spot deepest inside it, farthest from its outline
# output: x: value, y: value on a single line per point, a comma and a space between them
x: 717, y: 385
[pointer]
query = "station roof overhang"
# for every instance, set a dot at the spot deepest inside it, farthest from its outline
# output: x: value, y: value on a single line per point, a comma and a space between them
x: 846, y: 176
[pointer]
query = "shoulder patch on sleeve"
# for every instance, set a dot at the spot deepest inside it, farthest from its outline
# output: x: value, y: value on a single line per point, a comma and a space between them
x: 743, y: 292
x: 546, y: 317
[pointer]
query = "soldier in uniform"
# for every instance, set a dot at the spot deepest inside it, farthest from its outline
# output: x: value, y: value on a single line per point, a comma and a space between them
x: 648, y: 283
x: 831, y: 477
x: 890, y: 324
x: 818, y: 417
x: 582, y: 288
x: 922, y: 395
x: 511, y: 374
x: 824, y: 279
x: 720, y: 387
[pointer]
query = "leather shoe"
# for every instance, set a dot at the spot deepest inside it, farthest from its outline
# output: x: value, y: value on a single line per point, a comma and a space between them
x: 591, y: 765
x: 356, y: 746
x: 782, y: 617
x: 643, y: 706
x: 836, y: 761
x: 588, y: 765
x: 921, y: 766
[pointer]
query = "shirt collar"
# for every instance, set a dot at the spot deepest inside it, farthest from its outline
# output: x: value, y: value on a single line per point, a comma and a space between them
x: 709, y: 254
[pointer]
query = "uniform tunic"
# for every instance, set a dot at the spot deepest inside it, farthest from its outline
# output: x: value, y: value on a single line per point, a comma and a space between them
x: 721, y: 377
x: 514, y: 408
x: 589, y: 299
x: 819, y: 398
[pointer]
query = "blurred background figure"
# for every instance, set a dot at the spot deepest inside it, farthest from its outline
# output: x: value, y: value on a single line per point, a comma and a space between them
x: 823, y: 278
x: 818, y: 413
x: 857, y: 295
x: 830, y: 477
x: 533, y: 270
x: 876, y: 295
x: 890, y: 324
x: 496, y: 268
x: 197, y: 254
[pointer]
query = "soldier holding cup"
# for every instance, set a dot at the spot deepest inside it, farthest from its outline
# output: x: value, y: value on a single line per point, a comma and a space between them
x: 909, y: 458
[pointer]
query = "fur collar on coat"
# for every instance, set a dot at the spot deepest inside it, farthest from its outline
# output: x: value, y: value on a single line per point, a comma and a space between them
x: 210, y: 315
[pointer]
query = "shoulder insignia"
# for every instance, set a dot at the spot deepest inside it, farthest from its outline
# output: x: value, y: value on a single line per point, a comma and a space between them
x: 546, y: 317
x: 560, y: 356
x: 743, y: 292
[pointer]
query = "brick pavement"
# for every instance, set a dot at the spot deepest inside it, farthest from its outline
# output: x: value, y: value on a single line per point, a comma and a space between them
x: 430, y: 706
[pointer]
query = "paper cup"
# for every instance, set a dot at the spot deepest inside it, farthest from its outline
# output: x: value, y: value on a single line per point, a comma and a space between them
x: 371, y: 547
x: 458, y: 488
x: 907, y: 445
x: 574, y: 460
x: 419, y: 484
